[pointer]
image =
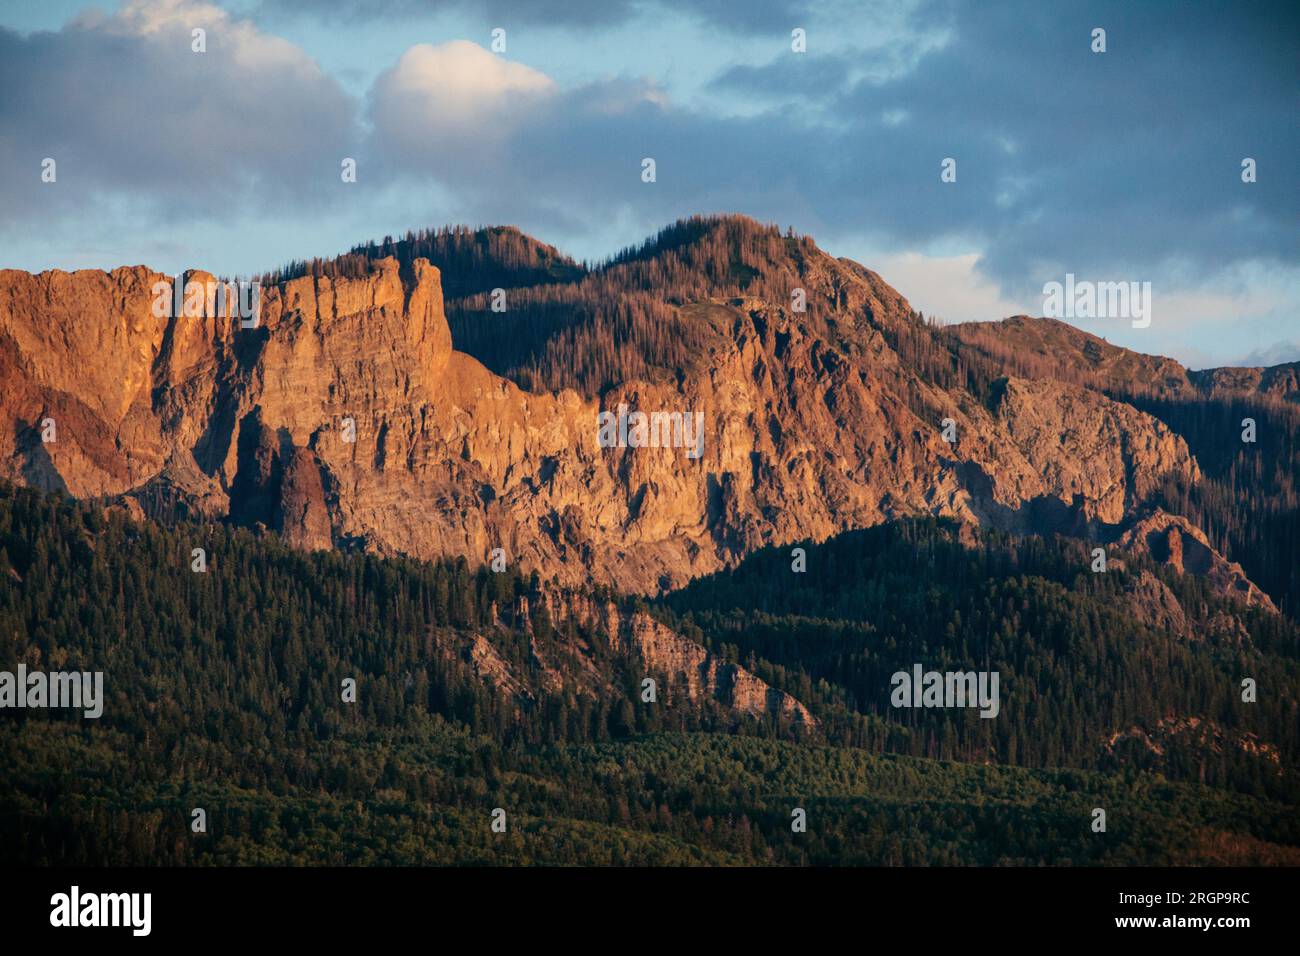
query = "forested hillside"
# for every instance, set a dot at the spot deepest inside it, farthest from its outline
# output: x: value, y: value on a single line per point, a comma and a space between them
x: 564, y: 324
x: 1247, y: 502
x: 223, y: 692
x: 471, y: 260
x: 1082, y: 656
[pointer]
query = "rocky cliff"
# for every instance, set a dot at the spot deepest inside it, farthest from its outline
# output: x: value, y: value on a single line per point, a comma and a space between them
x: 1174, y: 541
x: 346, y: 419
x: 566, y: 658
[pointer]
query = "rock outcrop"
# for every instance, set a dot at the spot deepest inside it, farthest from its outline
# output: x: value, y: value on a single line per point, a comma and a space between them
x: 1175, y: 541
x: 1194, y: 733
x: 564, y: 659
x: 346, y: 419
x: 1155, y: 605
x: 691, y: 670
x: 1050, y: 443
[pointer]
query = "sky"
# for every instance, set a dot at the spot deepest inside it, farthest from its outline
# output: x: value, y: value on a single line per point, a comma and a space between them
x: 1115, y: 166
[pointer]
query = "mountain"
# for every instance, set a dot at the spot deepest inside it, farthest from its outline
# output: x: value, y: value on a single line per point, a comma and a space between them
x: 1242, y: 425
x: 873, y: 492
x: 1049, y: 348
x: 824, y: 399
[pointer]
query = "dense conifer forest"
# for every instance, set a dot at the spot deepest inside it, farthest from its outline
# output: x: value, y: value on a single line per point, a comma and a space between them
x: 1076, y: 659
x: 222, y: 691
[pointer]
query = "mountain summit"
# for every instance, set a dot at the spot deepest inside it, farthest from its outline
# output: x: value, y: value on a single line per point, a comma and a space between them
x: 364, y: 411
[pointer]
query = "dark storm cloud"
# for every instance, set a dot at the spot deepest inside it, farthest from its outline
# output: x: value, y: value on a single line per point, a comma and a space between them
x: 1120, y: 164
x: 1066, y: 157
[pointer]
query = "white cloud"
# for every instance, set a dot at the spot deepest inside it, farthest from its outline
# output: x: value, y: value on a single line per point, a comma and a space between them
x: 947, y: 287
x: 456, y: 87
x: 460, y: 78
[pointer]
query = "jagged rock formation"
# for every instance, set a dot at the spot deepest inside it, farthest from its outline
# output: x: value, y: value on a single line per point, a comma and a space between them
x: 564, y: 659
x: 1155, y: 605
x: 1062, y: 444
x: 1198, y: 732
x: 1175, y: 541
x: 813, y: 424
x: 691, y: 670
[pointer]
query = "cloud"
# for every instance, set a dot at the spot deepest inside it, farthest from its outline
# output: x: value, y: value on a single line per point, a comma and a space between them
x: 947, y: 287
x: 460, y: 78
x: 125, y: 106
x: 1068, y: 160
x: 1279, y: 353
x: 451, y: 102
x: 750, y: 17
x: 1124, y: 163
x: 1116, y: 166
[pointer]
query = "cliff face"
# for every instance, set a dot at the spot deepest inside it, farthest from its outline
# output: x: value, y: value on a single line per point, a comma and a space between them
x: 691, y: 670
x: 1278, y: 381
x: 591, y: 642
x: 1049, y: 444
x: 809, y: 428
x: 1176, y: 542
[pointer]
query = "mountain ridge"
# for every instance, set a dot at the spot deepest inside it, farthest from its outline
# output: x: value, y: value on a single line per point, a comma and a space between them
x: 816, y: 421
